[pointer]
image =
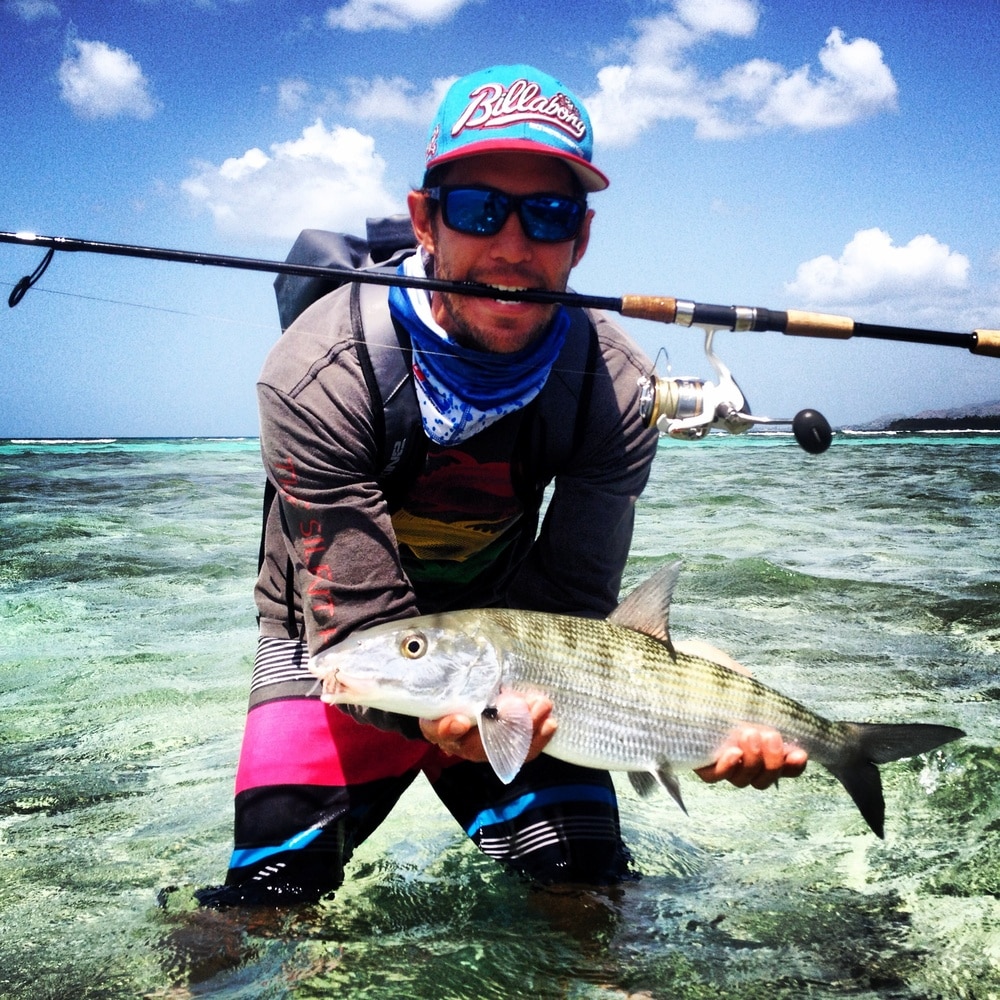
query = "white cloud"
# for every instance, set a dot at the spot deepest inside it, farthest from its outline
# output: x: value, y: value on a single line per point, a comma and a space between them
x: 855, y: 84
x: 292, y: 94
x: 326, y: 179
x: 731, y: 17
x: 396, y: 99
x: 32, y: 10
x: 384, y: 99
x: 395, y: 15
x: 871, y: 270
x: 659, y: 80
x: 99, y: 81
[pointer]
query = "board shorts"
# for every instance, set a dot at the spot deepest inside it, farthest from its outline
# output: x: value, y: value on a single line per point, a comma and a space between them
x: 313, y: 783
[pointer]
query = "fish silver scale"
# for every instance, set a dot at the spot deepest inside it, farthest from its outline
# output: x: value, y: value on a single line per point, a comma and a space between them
x: 622, y: 701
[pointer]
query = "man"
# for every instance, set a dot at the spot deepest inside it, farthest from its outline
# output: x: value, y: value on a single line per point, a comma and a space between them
x: 506, y: 397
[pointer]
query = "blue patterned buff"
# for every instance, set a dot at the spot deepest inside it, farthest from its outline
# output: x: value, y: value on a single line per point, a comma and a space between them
x: 461, y: 390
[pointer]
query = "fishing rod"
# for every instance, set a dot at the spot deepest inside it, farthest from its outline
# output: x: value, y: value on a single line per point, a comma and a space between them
x: 663, y: 309
x: 680, y: 407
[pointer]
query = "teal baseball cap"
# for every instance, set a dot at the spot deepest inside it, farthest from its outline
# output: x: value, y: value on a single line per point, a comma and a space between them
x: 514, y: 109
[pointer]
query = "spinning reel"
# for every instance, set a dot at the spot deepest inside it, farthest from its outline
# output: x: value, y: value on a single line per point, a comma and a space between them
x: 689, y: 408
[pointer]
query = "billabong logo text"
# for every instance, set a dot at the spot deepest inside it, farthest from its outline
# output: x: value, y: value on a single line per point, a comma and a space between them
x: 492, y: 106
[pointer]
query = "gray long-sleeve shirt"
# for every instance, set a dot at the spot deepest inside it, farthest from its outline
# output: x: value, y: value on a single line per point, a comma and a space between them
x: 336, y: 558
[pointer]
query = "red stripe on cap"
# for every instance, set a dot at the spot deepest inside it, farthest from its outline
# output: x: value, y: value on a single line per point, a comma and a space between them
x: 591, y: 178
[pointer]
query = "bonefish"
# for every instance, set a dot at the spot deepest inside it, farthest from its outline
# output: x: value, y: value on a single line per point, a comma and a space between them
x: 623, y: 696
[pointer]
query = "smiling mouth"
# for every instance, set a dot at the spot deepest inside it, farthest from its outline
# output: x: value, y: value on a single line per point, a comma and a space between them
x: 515, y: 292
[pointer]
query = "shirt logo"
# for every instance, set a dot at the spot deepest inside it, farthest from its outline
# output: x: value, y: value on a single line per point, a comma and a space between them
x: 493, y: 106
x: 398, y: 448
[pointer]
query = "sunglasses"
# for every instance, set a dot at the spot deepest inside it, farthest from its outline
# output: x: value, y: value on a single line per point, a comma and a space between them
x: 483, y: 211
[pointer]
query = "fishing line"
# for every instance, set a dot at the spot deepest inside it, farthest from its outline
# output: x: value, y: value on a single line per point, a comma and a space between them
x: 136, y: 305
x: 204, y: 316
x: 21, y: 288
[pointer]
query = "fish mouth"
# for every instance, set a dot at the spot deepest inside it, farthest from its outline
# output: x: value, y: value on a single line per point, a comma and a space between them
x: 331, y: 686
x: 340, y: 690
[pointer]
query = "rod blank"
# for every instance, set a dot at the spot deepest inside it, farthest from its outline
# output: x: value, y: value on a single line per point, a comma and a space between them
x: 659, y: 308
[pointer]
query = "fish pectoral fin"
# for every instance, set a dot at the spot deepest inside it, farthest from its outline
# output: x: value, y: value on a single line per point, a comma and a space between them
x: 506, y: 730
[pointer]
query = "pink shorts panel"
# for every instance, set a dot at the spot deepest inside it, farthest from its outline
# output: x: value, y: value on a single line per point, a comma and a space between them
x: 302, y: 741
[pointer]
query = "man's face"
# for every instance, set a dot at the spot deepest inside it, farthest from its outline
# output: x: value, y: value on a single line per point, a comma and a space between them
x: 507, y: 260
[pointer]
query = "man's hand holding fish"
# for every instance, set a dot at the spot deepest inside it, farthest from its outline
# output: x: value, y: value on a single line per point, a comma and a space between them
x: 458, y: 734
x: 755, y: 756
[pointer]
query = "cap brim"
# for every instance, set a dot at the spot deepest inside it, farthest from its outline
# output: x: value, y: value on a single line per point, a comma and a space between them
x: 590, y: 177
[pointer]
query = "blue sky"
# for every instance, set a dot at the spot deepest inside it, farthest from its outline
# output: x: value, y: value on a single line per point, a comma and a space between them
x: 837, y: 156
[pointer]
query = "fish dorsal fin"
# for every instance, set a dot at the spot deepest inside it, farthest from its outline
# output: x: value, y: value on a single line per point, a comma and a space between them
x: 647, y: 608
x: 506, y: 728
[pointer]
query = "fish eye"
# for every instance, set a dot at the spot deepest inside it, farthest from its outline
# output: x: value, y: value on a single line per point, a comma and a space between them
x: 414, y: 645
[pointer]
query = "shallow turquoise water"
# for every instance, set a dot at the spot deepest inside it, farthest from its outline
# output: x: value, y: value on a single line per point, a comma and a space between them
x: 864, y: 582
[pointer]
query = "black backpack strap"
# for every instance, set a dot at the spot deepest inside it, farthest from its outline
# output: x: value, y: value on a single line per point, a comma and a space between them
x: 385, y: 354
x: 547, y: 443
x: 578, y: 320
x: 386, y: 363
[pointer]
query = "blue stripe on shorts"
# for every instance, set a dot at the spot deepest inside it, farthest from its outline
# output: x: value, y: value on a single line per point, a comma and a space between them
x: 253, y: 856
x: 541, y: 798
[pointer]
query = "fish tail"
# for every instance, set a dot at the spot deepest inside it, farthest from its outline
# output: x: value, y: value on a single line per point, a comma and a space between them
x: 876, y: 743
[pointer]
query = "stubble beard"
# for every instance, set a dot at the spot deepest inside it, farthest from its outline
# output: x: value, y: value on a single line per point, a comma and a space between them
x: 494, y: 339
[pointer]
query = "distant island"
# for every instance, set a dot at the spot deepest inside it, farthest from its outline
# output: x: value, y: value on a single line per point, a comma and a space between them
x: 982, y: 417
x: 963, y: 423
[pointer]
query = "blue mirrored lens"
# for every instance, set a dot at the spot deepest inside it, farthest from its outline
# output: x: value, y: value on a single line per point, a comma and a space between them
x: 471, y: 210
x: 551, y: 219
x: 484, y: 211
